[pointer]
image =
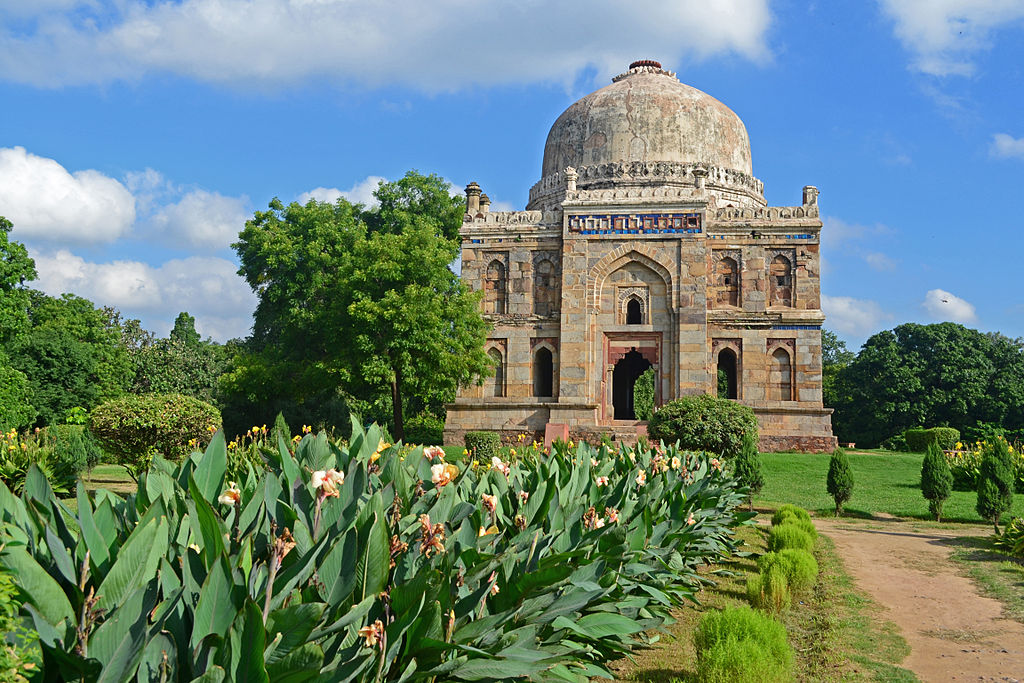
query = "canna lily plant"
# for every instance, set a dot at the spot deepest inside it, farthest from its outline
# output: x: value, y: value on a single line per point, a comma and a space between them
x: 357, y: 564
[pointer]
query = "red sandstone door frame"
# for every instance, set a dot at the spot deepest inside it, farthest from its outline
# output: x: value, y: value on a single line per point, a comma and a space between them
x: 615, y: 346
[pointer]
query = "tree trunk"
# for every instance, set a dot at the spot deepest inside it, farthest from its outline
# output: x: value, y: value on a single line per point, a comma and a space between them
x: 396, y: 405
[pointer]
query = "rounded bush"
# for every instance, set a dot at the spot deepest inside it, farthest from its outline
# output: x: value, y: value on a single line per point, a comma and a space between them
x: 132, y: 428
x: 799, y: 566
x: 743, y: 624
x: 839, y: 482
x: 788, y: 511
x: 704, y: 423
x: 740, y: 661
x: 483, y: 445
x: 805, y: 524
x: 769, y: 590
x: 789, y: 536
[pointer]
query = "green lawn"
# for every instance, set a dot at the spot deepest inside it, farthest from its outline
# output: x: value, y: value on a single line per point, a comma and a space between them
x: 886, y: 483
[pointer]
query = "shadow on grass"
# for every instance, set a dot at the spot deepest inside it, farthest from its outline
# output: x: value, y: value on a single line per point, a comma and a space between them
x: 979, y: 549
x: 665, y: 676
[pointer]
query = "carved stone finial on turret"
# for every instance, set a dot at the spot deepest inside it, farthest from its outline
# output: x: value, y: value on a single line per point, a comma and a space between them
x: 699, y: 176
x: 472, y: 199
x: 570, y: 179
x: 810, y: 195
x: 485, y: 203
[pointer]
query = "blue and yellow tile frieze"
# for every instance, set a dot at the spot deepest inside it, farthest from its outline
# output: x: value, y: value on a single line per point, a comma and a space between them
x: 635, y: 224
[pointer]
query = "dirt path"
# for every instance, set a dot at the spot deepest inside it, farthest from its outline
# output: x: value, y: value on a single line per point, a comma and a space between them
x: 954, y: 633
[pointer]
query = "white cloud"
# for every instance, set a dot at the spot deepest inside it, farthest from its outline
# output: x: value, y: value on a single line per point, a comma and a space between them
x: 944, y: 35
x: 209, y: 288
x: 836, y: 231
x: 420, y: 44
x: 46, y: 202
x: 879, y: 261
x: 942, y: 305
x: 855, y: 317
x: 360, y: 193
x: 1007, y: 147
x: 202, y: 219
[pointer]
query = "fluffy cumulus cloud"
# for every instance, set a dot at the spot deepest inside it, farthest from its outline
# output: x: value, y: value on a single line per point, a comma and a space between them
x: 46, y: 202
x: 422, y: 44
x: 854, y: 317
x: 1007, y: 147
x: 944, y: 35
x: 942, y: 305
x: 209, y: 288
x: 202, y: 219
x: 845, y: 239
x: 360, y: 193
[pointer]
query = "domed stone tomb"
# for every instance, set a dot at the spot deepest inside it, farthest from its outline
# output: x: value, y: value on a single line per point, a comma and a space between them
x: 646, y: 244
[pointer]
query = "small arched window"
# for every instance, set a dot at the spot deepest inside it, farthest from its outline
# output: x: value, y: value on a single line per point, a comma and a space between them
x: 544, y: 290
x: 634, y: 312
x: 499, y: 372
x: 727, y: 281
x: 780, y: 379
x: 494, y: 288
x: 543, y: 373
x: 780, y: 282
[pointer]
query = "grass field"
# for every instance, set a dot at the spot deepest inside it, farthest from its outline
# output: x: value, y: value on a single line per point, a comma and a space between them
x: 883, y: 483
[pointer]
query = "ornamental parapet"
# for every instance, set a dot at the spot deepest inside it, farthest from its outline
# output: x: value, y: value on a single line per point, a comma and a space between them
x: 514, y: 218
x: 765, y: 213
x: 552, y: 188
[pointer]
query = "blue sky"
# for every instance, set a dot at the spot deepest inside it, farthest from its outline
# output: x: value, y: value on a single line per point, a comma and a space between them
x: 137, y: 136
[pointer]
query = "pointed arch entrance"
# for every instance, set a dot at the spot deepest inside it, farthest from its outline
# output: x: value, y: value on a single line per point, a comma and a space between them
x: 624, y: 377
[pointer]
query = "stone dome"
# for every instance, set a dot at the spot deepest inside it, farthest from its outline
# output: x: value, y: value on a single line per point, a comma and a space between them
x: 647, y: 115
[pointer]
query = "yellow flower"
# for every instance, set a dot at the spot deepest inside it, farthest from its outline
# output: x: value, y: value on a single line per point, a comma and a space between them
x: 442, y: 474
x: 381, y: 447
x: 488, y: 531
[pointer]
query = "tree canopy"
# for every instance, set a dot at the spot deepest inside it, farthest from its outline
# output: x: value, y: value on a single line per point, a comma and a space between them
x: 930, y: 375
x: 360, y: 301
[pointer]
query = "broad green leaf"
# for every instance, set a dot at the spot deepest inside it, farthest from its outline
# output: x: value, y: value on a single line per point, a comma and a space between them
x: 494, y: 669
x: 214, y: 674
x: 206, y: 525
x: 40, y: 589
x: 248, y: 640
x: 136, y: 564
x: 374, y: 561
x: 95, y: 542
x: 219, y: 603
x: 302, y: 664
x: 120, y: 640
x: 294, y: 624
x: 209, y: 473
x: 159, y: 663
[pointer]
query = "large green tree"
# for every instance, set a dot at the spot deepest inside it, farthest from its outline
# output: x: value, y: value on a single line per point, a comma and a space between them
x: 72, y: 355
x: 834, y: 357
x: 16, y: 268
x: 930, y: 375
x: 361, y: 302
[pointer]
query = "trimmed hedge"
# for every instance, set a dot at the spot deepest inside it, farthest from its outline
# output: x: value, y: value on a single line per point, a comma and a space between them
x: 483, y: 445
x: 133, y: 428
x: 799, y: 567
x: 918, y: 440
x: 704, y: 423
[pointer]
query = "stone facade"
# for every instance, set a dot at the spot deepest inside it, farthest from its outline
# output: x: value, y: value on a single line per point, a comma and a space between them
x: 656, y: 255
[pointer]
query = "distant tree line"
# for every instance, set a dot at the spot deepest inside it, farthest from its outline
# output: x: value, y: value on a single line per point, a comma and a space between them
x: 940, y: 375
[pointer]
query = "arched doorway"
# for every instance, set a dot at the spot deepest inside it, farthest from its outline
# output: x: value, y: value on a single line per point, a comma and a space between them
x: 727, y: 374
x: 543, y: 373
x: 631, y: 366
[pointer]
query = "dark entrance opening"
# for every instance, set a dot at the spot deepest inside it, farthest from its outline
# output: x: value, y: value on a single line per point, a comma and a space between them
x: 543, y: 373
x: 624, y: 377
x: 633, y: 314
x: 727, y: 373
